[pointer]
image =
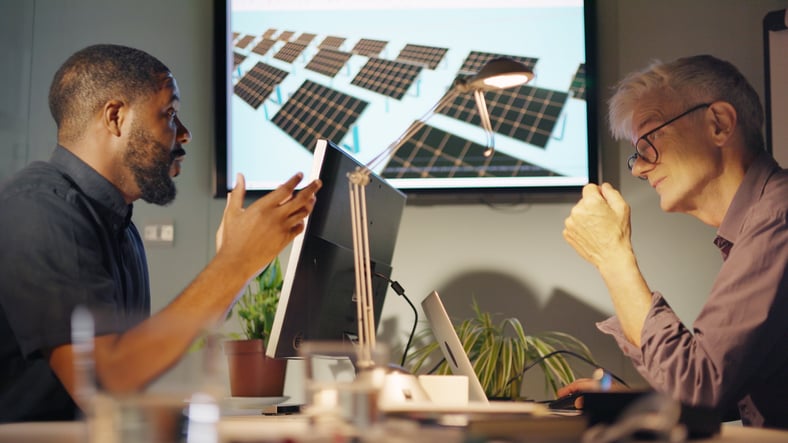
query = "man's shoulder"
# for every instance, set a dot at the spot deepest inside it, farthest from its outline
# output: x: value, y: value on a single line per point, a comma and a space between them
x: 776, y: 190
x: 37, y: 177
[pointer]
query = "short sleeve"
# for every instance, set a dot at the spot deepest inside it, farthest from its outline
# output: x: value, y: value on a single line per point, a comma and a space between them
x: 50, y: 262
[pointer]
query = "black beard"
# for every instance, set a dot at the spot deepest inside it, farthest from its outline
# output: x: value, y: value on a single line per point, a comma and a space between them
x: 150, y: 163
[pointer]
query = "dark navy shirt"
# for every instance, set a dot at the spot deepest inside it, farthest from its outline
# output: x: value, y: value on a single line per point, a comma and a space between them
x: 66, y: 239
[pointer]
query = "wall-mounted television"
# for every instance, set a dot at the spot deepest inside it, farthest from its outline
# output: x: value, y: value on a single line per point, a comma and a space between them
x: 360, y: 72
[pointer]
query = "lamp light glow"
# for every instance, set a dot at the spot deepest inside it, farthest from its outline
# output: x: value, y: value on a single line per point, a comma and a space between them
x: 507, y: 81
x: 498, y: 73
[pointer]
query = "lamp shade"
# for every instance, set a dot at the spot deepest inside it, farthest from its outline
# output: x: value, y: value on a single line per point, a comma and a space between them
x: 498, y: 73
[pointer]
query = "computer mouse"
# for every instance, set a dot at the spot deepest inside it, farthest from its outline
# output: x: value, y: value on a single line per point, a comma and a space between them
x: 567, y: 402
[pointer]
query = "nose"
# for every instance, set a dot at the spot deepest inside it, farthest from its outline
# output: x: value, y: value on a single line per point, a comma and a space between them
x: 640, y: 167
x: 183, y: 134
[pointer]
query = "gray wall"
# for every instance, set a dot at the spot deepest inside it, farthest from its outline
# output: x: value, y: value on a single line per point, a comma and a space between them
x: 511, y: 258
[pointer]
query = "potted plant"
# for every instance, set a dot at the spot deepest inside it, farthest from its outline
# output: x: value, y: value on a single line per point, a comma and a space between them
x: 252, y: 374
x: 501, y: 352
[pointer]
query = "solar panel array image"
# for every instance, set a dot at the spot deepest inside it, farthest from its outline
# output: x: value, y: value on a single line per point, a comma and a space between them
x: 290, y: 51
x: 328, y: 62
x: 258, y: 83
x: 244, y: 41
x: 305, y: 38
x: 360, y: 75
x: 332, y: 42
x: 525, y: 113
x: 238, y: 58
x: 315, y: 111
x: 434, y: 153
x: 263, y: 46
x: 578, y: 86
x: 428, y: 56
x: 474, y: 62
x: 285, y: 36
x: 369, y: 48
x: 387, y: 77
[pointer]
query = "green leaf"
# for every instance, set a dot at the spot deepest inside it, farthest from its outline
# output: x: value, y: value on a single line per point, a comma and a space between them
x: 499, y: 353
x: 256, y: 308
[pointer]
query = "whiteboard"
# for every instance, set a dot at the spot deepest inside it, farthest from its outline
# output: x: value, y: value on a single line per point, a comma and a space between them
x: 775, y: 40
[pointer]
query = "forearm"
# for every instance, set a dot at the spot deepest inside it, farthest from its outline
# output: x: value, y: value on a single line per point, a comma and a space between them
x: 598, y: 228
x: 129, y: 362
x: 629, y: 293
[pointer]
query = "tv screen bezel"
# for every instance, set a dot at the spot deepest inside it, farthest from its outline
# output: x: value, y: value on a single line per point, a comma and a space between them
x: 485, y: 195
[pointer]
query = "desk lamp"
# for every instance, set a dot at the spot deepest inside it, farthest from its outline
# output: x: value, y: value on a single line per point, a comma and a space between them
x: 498, y: 73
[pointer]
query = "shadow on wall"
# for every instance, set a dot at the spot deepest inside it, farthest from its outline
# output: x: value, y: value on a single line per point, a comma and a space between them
x: 504, y: 296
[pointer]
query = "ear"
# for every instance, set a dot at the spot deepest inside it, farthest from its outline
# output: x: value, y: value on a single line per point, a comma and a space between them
x: 724, y: 119
x: 113, y: 115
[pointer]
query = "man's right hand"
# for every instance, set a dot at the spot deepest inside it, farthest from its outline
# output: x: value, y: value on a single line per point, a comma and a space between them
x: 586, y: 385
x: 255, y: 235
x: 599, y: 225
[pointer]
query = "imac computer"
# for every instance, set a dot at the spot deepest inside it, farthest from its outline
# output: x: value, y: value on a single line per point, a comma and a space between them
x: 318, y: 293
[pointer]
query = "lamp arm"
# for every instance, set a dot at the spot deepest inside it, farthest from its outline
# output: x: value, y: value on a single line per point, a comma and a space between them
x: 412, y: 129
x: 484, y: 116
x: 357, y: 181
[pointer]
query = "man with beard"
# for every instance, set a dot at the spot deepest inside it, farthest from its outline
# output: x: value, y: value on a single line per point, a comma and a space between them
x: 67, y: 240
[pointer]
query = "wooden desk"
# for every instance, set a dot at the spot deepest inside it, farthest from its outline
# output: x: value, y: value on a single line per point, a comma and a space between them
x: 741, y: 434
x: 261, y: 429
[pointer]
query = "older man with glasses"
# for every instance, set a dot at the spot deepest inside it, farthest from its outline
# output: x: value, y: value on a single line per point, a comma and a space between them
x: 696, y: 124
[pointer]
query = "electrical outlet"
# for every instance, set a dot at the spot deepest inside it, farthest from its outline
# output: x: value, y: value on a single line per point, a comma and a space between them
x: 167, y: 233
x: 150, y: 233
x: 159, y: 233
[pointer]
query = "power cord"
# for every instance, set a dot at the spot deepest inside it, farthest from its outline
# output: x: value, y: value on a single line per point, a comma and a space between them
x: 568, y: 352
x: 578, y: 356
x: 401, y: 292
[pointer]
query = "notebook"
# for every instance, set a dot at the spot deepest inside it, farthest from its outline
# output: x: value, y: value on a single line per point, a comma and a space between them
x: 460, y: 364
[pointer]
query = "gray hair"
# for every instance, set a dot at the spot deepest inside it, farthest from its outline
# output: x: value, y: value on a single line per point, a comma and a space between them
x: 687, y: 82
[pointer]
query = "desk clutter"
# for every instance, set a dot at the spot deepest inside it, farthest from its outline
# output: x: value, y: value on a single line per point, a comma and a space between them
x: 613, y: 417
x: 347, y: 401
x: 350, y: 413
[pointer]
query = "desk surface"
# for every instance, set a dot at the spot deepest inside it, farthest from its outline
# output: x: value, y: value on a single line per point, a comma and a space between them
x: 261, y: 429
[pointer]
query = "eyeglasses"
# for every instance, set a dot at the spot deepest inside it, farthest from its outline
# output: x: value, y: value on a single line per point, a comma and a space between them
x: 645, y: 150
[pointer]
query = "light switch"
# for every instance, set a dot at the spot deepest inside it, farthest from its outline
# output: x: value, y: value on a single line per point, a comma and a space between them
x: 167, y: 233
x: 159, y: 233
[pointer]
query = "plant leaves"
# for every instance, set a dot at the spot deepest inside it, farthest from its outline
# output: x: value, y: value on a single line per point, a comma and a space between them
x: 256, y: 308
x: 500, y: 352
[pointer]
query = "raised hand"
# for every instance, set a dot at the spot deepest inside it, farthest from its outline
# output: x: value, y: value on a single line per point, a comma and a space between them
x: 598, y: 227
x: 255, y: 235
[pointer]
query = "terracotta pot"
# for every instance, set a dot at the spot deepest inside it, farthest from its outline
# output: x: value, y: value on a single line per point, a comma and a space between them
x: 252, y: 374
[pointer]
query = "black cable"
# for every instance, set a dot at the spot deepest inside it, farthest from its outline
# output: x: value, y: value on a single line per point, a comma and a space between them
x: 438, y: 365
x: 564, y: 351
x: 401, y: 292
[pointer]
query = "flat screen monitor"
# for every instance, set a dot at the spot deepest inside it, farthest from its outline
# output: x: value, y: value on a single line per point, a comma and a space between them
x: 318, y: 293
x: 359, y: 72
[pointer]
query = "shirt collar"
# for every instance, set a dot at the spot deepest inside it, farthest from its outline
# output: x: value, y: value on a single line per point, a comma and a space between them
x: 750, y: 190
x: 92, y: 184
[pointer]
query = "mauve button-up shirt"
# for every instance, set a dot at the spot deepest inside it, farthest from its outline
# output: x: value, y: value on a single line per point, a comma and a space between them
x: 737, y: 352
